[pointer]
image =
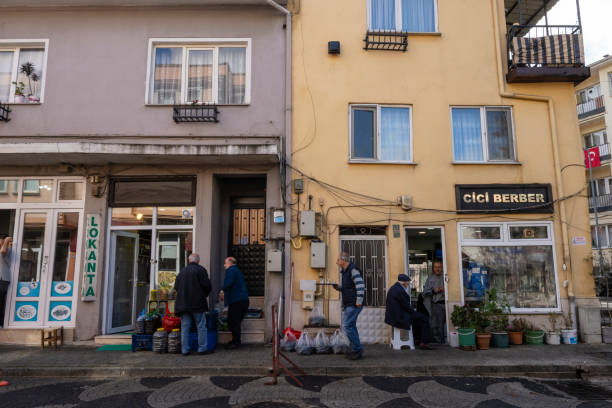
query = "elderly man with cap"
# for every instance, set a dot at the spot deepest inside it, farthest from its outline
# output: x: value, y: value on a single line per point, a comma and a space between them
x: 399, y: 313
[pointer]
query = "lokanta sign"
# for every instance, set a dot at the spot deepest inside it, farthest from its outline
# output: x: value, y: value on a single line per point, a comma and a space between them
x: 92, y: 239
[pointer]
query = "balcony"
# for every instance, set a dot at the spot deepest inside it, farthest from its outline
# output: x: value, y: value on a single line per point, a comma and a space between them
x: 545, y: 53
x: 195, y: 113
x: 4, y: 113
x: 590, y: 108
x: 603, y: 202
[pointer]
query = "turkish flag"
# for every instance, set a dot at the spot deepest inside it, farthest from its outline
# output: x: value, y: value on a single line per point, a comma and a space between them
x: 591, y: 157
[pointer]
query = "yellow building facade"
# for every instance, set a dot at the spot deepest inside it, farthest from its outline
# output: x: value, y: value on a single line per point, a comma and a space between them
x: 481, y: 163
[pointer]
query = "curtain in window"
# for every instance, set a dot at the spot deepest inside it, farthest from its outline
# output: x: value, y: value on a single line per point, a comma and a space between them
x: 232, y: 75
x: 383, y: 14
x: 6, y: 66
x: 363, y: 133
x: 395, y: 134
x: 418, y: 16
x: 33, y: 56
x: 467, y: 134
x: 499, y: 134
x: 199, y: 76
x: 167, y: 70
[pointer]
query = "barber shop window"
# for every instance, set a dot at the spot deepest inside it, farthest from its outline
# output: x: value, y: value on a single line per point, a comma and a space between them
x: 412, y: 16
x: 515, y: 259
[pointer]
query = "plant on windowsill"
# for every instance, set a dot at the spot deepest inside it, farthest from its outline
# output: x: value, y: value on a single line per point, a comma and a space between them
x: 519, y: 325
x: 19, y: 88
x: 28, y: 69
x: 553, y: 336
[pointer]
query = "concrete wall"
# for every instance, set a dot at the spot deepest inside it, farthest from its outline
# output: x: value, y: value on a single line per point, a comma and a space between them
x: 457, y: 67
x: 97, y: 65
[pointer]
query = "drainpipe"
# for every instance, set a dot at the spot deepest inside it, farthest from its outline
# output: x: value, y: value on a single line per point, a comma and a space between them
x: 287, y: 150
x: 554, y: 138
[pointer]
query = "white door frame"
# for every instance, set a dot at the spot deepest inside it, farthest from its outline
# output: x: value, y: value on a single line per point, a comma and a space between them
x: 111, y: 288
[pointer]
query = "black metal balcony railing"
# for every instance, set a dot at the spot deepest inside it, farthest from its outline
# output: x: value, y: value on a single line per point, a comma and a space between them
x: 603, y: 202
x: 604, y: 151
x: 545, y: 53
x: 4, y: 113
x: 386, y: 40
x: 590, y: 108
x: 195, y: 113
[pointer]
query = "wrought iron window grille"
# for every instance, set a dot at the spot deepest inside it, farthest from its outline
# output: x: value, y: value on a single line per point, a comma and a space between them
x: 386, y: 40
x: 4, y: 113
x: 195, y: 113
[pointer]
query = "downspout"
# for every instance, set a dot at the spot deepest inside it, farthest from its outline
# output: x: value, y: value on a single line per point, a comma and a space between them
x: 287, y: 150
x: 554, y: 138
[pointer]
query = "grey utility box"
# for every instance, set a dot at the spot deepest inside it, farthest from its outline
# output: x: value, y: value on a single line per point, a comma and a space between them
x: 318, y: 255
x: 308, y: 224
x: 274, y: 260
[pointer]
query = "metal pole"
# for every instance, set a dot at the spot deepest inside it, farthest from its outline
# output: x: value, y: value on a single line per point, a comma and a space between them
x: 546, y: 16
x: 578, y: 11
x: 596, y: 214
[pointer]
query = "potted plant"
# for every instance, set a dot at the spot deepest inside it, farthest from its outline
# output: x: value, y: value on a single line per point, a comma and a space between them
x: 483, y: 334
x: 534, y: 335
x: 553, y: 336
x: 569, y: 334
x: 499, y: 321
x: 464, y: 319
x: 19, y: 96
x: 519, y: 325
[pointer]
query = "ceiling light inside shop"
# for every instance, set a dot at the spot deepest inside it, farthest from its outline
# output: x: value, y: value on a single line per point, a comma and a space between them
x: 139, y: 216
x: 422, y: 232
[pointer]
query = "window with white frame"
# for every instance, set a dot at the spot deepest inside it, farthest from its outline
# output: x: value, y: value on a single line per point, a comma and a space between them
x: 598, y: 138
x: 600, y: 187
x: 202, y: 72
x: 381, y: 133
x: 588, y: 94
x: 483, y: 134
x: 605, y: 236
x: 22, y: 68
x: 417, y: 16
x: 515, y: 259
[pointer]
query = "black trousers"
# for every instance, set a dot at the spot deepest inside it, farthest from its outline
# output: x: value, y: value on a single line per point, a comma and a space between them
x: 420, y: 328
x: 3, y: 292
x: 235, y: 315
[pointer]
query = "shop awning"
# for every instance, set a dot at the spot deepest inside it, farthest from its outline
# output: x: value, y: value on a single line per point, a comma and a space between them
x: 40, y: 152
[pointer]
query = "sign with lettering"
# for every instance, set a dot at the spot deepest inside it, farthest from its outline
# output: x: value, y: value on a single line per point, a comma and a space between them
x: 90, y: 272
x: 524, y: 198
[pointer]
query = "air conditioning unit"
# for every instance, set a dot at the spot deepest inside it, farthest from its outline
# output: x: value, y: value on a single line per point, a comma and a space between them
x: 405, y: 201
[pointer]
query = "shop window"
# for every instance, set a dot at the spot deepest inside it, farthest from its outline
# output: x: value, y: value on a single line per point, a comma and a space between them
x: 417, y: 16
x: 9, y: 191
x: 70, y: 190
x: 480, y: 232
x: 37, y: 191
x: 175, y: 215
x: 132, y: 216
x: 136, y: 192
x: 520, y: 266
x: 483, y: 134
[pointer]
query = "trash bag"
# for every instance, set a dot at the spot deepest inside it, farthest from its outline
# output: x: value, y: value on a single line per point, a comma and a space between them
x: 340, y: 343
x: 305, y: 345
x: 288, y: 342
x: 316, y: 317
x: 322, y: 343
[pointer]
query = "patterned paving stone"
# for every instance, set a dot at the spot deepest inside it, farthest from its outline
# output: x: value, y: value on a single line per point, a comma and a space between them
x: 185, y: 391
x: 58, y: 406
x: 581, y: 390
x: 62, y: 393
x: 494, y: 403
x: 432, y: 394
x: 231, y: 383
x: 159, y: 382
x: 596, y: 404
x: 469, y: 384
x: 393, y: 384
x: 218, y: 402
x: 313, y: 382
x: 354, y: 392
x: 131, y: 400
x: 117, y: 387
x: 515, y: 393
x: 400, y: 403
x: 257, y: 392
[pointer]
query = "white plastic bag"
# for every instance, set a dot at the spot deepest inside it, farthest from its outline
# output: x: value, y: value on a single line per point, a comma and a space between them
x: 305, y: 345
x: 322, y: 343
x: 316, y: 317
x: 288, y: 342
x: 340, y: 343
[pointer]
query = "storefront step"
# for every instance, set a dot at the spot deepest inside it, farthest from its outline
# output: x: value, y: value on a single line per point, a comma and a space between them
x: 111, y: 339
x: 247, y: 337
x: 252, y: 325
x: 29, y: 336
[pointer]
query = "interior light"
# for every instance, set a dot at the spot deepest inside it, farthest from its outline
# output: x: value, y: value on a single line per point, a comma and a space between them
x: 422, y: 232
x: 139, y: 216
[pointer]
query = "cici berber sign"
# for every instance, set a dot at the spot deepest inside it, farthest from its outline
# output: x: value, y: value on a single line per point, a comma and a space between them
x: 90, y: 271
x: 524, y: 198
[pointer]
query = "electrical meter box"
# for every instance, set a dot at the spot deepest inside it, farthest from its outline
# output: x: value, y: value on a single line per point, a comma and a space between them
x: 274, y: 260
x: 318, y: 258
x: 308, y: 223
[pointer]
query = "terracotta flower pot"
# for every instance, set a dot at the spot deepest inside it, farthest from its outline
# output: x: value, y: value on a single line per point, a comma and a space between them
x: 483, y: 341
x: 516, y: 337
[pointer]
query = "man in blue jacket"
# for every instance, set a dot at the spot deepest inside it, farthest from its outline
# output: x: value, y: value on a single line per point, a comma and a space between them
x: 192, y: 288
x: 236, y: 298
x: 400, y: 314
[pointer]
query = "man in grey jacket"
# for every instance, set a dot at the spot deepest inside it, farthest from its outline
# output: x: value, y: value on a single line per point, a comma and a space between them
x: 434, y: 298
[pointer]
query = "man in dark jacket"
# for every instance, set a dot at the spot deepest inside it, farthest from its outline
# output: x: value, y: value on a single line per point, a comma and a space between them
x: 192, y: 288
x: 400, y: 314
x: 236, y: 298
x: 353, y: 291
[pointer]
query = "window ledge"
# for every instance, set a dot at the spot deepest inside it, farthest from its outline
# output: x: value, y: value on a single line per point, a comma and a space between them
x: 24, y: 104
x: 172, y: 105
x: 382, y: 162
x: 432, y: 34
x: 500, y: 163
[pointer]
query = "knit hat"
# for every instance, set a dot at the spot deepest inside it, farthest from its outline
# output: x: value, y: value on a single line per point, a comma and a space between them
x: 402, y: 277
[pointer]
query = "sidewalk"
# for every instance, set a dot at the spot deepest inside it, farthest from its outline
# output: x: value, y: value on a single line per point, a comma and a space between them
x: 565, y: 361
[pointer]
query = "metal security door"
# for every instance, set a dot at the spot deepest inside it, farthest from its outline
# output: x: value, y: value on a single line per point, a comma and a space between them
x: 369, y: 253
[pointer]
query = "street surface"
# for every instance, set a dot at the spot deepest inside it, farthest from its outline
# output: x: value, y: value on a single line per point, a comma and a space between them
x: 319, y: 392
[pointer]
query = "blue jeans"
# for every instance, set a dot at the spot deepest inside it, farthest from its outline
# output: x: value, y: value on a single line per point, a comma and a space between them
x: 349, y: 326
x: 200, y: 320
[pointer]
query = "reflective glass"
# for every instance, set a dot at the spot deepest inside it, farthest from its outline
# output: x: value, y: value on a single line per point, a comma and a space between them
x: 232, y: 75
x: 200, y: 75
x: 132, y: 216
x: 167, y: 72
x: 175, y: 215
x: 481, y: 232
x: 529, y: 232
x: 173, y: 250
x: 37, y: 191
x: 33, y: 57
x: 363, y: 133
x: 71, y: 190
x: 32, y: 248
x: 499, y: 134
x: 9, y: 191
x: 6, y: 70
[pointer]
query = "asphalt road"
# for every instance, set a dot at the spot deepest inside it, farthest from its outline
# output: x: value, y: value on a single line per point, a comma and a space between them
x: 319, y: 392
